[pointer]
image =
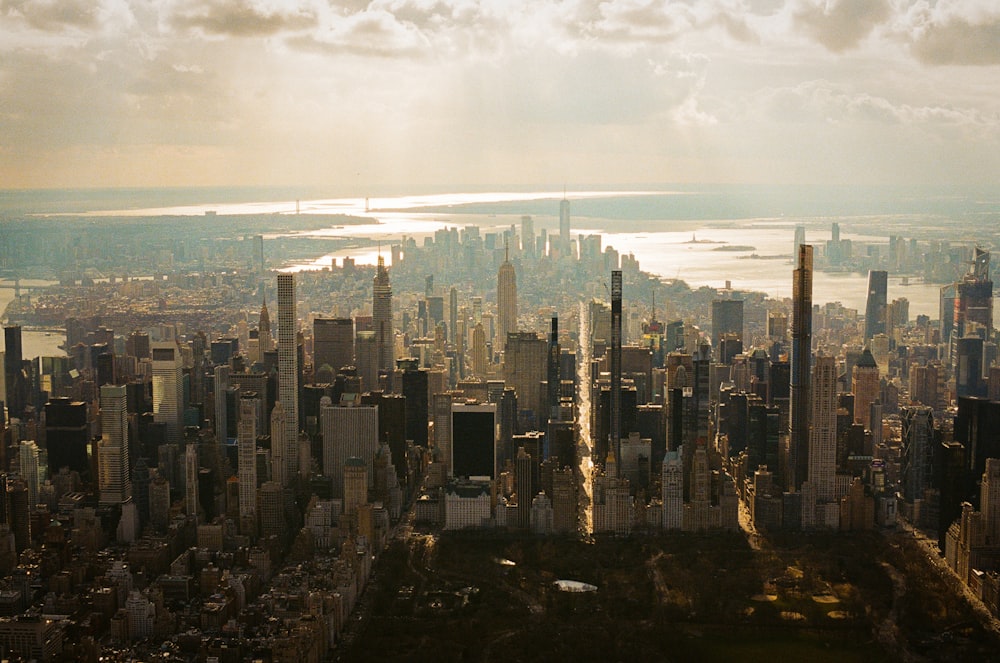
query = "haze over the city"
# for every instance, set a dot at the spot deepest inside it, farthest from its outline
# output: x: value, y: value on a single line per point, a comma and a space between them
x: 414, y: 94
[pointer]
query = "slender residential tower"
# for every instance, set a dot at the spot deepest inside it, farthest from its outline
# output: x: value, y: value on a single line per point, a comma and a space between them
x: 288, y: 388
x: 616, y: 364
x: 552, y: 376
x: 506, y: 300
x: 382, y: 319
x: 798, y: 444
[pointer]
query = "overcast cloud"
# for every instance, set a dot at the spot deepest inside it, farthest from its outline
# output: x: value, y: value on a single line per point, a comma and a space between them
x: 404, y: 94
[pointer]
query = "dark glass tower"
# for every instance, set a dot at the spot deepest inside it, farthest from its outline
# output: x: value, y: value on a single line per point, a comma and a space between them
x: 616, y: 364
x: 798, y: 461
x: 875, y: 306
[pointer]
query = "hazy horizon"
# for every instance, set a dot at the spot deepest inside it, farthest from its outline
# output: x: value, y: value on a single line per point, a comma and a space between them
x: 410, y: 94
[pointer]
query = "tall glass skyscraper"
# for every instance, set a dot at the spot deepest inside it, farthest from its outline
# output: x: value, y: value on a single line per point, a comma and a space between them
x: 288, y: 371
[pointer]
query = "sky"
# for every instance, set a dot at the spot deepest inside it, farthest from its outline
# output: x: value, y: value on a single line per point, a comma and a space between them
x: 407, y: 95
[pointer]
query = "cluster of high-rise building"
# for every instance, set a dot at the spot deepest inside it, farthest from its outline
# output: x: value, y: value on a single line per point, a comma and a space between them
x: 209, y: 460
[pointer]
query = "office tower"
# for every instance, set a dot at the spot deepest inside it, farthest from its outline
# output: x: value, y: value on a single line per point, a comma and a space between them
x: 441, y: 404
x: 348, y: 431
x: 114, y: 476
x: 333, y: 347
x: 141, y: 478
x: 875, y: 306
x: 221, y: 388
x: 247, y: 458
x: 917, y: 438
x: 672, y: 490
x: 524, y: 486
x: 168, y: 389
x: 615, y: 427
x: 258, y: 246
x: 453, y: 335
x: 989, y: 500
x: 969, y: 366
x: 382, y: 319
x: 271, y: 509
x: 564, y: 242
x: 552, y: 378
x: 15, y: 385
x: 415, y: 393
x: 159, y: 502
x: 528, y: 236
x: 798, y: 462
x: 366, y: 359
x: 799, y: 239
x: 727, y: 318
x: 20, y: 513
x: 279, y: 447
x: 355, y: 484
x: 974, y: 299
x: 191, y: 468
x: 480, y: 363
x: 524, y: 368
x: 474, y: 438
x: 506, y: 300
x: 104, y: 369
x: 288, y: 370
x: 823, y: 431
x: 67, y: 435
x: 137, y: 345
x: 866, y: 388
x: 264, y: 339
x: 30, y: 469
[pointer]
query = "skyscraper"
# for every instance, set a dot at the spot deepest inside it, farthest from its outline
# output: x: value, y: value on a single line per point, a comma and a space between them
x: 974, y: 299
x: 552, y: 376
x: 265, y: 340
x: 798, y: 461
x: 918, y: 453
x: 67, y: 435
x: 288, y: 369
x: 278, y: 445
x: 823, y: 431
x: 876, y: 304
x: 528, y: 236
x: 382, y: 319
x: 348, y: 431
x: 506, y: 300
x: 221, y: 386
x: 865, y: 377
x: 474, y: 439
x: 727, y: 318
x: 524, y: 369
x: 113, y: 462
x: 564, y: 243
x: 168, y: 389
x: 247, y: 458
x: 14, y: 382
x: 333, y: 346
x: 616, y: 364
x: 191, y: 468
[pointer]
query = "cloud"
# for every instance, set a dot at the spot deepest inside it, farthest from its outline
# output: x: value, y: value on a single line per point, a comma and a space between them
x: 840, y: 25
x: 53, y: 15
x: 823, y: 102
x: 242, y: 18
x: 960, y: 32
x: 372, y: 33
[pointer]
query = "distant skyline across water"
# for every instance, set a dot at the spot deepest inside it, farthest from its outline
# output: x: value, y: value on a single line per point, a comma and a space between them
x: 705, y: 235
